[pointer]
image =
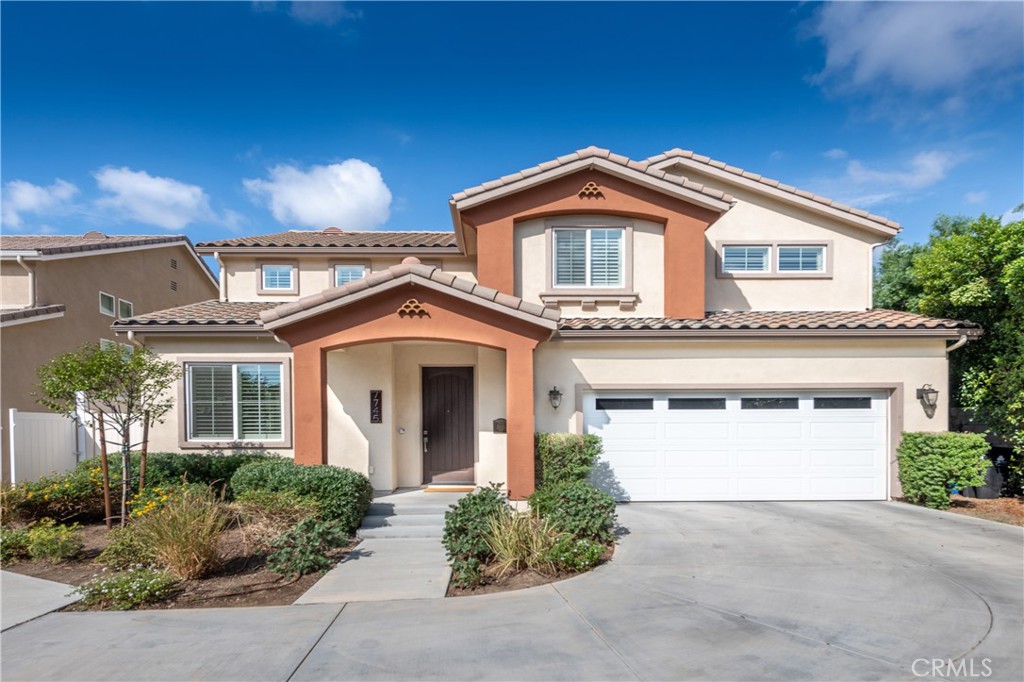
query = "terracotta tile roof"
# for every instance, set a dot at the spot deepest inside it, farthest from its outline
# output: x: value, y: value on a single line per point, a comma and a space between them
x: 721, y: 165
x: 773, y: 321
x: 408, y: 271
x: 588, y: 153
x: 209, y: 313
x: 48, y: 244
x: 27, y: 313
x: 333, y: 237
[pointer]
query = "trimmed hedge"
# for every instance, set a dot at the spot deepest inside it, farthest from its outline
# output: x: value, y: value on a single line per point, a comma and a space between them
x: 565, y: 457
x: 931, y: 464
x: 340, y: 494
x: 466, y: 526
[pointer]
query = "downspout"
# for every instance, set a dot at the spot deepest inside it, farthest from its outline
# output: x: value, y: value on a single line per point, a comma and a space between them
x: 221, y: 281
x: 959, y: 343
x: 31, y: 281
x: 132, y: 340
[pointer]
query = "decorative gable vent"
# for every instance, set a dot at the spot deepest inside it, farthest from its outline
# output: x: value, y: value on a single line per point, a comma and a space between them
x: 590, y: 191
x: 412, y: 308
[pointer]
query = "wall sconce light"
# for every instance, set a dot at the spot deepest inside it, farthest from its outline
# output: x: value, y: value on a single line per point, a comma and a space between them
x: 555, y: 396
x: 928, y: 395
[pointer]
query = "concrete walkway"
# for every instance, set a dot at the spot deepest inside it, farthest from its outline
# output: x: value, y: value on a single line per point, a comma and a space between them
x: 399, y: 557
x: 737, y: 591
x: 24, y: 598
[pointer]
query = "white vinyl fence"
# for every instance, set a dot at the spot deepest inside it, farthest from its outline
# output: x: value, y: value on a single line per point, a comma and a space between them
x: 42, y: 443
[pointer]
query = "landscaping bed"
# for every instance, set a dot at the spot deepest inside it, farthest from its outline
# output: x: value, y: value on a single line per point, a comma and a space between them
x: 520, y: 580
x: 1002, y: 509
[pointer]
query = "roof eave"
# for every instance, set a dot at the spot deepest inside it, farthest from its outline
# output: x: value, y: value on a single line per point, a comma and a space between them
x: 307, y: 250
x: 703, y: 334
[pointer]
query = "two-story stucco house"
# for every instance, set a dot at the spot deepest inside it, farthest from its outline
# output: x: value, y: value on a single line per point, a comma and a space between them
x: 713, y: 326
x: 59, y: 292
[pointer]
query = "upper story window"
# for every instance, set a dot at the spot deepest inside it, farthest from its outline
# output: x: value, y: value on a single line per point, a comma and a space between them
x: 801, y: 258
x: 278, y: 278
x: 343, y: 274
x: 107, y: 303
x: 588, y: 257
x: 746, y: 258
x: 125, y: 309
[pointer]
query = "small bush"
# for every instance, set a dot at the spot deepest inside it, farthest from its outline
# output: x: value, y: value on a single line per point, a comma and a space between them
x: 564, y: 458
x: 933, y: 463
x: 77, y: 494
x: 13, y: 545
x: 184, y: 535
x: 342, y: 495
x: 209, y: 470
x: 52, y: 542
x: 126, y: 550
x: 303, y: 549
x: 520, y: 541
x: 583, y: 511
x: 466, y: 526
x: 128, y: 589
x: 575, y: 554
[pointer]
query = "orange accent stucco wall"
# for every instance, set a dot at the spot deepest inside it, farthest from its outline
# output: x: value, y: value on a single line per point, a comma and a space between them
x: 685, y: 224
x: 375, y: 320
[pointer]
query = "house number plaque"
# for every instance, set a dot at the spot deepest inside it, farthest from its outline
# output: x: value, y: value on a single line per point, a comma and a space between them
x: 376, y: 398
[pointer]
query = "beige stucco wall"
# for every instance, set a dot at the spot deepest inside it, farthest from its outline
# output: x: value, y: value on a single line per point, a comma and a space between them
x: 316, y: 272
x: 142, y: 277
x: 14, y: 289
x: 533, y: 262
x: 756, y: 217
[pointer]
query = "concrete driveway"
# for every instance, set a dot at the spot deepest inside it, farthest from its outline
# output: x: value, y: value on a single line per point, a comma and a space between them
x: 719, y: 591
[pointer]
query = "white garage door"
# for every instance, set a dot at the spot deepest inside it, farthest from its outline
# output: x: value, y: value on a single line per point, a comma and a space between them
x: 820, y: 445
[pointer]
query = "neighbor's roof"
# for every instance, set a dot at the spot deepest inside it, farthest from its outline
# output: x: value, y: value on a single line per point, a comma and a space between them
x: 30, y: 314
x: 774, y: 321
x: 204, y: 313
x: 333, y: 237
x: 665, y: 158
x: 52, y: 244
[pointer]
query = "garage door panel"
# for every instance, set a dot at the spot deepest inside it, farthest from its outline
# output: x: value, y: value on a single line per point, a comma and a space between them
x: 677, y: 448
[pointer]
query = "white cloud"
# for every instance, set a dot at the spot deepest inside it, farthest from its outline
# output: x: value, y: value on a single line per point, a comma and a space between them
x: 862, y: 185
x: 835, y: 153
x: 320, y: 12
x: 21, y: 197
x: 777, y: 154
x: 351, y: 195
x: 979, y: 197
x: 939, y: 49
x: 164, y: 202
x: 1014, y: 214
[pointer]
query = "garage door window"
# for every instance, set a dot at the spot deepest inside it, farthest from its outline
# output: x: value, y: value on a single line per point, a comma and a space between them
x: 696, y: 403
x: 769, y: 403
x: 842, y: 403
x: 625, y: 403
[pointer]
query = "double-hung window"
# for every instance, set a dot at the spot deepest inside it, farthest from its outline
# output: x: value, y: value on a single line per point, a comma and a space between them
x: 588, y: 257
x: 278, y: 278
x: 801, y: 258
x: 234, y: 401
x: 343, y: 274
x: 746, y: 258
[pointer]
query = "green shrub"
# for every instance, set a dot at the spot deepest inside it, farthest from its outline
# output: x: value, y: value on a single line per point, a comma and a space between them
x: 210, y: 470
x: 519, y: 541
x: 583, y: 511
x: 564, y: 458
x: 575, y: 554
x: 341, y: 495
x: 303, y: 549
x: 156, y: 497
x: 76, y: 494
x: 466, y: 526
x: 933, y: 463
x: 52, y: 542
x: 126, y: 550
x: 128, y: 589
x: 184, y: 535
x: 13, y: 545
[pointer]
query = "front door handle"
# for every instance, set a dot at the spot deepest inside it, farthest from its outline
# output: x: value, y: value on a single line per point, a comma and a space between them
x: 426, y: 439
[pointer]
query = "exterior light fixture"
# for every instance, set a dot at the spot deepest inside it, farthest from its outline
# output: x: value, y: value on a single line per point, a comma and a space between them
x: 928, y: 395
x: 555, y: 396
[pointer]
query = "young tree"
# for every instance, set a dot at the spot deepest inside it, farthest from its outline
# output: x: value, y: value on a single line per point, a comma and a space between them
x: 128, y: 387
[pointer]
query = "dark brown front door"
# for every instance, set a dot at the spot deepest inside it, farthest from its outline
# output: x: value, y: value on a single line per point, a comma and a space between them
x: 448, y: 450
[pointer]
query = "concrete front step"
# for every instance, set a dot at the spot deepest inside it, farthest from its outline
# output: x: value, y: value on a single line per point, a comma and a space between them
x: 435, y: 531
x: 389, y: 509
x: 402, y: 520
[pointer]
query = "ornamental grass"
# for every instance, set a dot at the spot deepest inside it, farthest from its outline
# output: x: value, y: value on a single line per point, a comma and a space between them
x: 184, y: 535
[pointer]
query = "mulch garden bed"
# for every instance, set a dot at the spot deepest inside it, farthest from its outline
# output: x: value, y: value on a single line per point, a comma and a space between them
x: 519, y: 580
x: 1003, y: 509
x: 242, y: 580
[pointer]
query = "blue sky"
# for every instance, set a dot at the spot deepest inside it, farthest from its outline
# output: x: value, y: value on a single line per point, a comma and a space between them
x: 218, y: 119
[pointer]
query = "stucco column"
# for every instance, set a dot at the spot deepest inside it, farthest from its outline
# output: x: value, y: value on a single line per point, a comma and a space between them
x: 519, y: 407
x: 309, y: 388
x: 684, y: 268
x: 495, y: 256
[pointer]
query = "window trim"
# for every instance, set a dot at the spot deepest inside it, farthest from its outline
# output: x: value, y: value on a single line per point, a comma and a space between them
x: 624, y: 295
x: 113, y: 305
x: 293, y: 264
x: 773, y: 258
x: 131, y: 305
x: 333, y: 264
x: 184, y: 395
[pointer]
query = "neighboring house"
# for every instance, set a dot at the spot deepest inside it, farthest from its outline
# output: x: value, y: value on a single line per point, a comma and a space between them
x: 713, y: 326
x: 58, y: 293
